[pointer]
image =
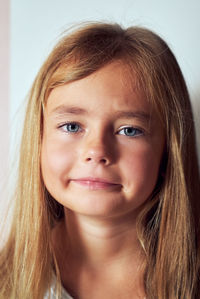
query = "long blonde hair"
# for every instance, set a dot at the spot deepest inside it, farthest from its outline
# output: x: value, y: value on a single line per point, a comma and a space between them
x: 168, y: 226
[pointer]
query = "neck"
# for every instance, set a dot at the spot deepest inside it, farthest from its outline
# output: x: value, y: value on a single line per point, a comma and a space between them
x: 102, y: 248
x: 98, y: 241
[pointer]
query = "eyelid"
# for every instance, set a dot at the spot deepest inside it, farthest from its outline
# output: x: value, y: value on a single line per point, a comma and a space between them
x: 138, y: 129
x: 60, y: 126
x: 67, y: 123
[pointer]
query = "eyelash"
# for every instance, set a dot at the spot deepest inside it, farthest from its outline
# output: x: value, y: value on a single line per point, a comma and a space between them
x: 135, y: 131
x: 68, y: 125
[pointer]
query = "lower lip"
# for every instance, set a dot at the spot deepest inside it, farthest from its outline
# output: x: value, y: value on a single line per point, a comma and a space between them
x: 96, y: 185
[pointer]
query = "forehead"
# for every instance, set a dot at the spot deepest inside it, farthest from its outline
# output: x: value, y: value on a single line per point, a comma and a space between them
x: 113, y: 86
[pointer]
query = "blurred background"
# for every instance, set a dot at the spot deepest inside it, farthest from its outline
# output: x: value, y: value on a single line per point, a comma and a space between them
x: 30, y: 28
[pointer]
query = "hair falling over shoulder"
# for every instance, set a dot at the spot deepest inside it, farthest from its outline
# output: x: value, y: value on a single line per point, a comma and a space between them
x: 168, y: 226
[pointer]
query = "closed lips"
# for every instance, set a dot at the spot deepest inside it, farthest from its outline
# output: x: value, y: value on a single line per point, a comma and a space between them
x: 95, y: 182
x: 89, y: 179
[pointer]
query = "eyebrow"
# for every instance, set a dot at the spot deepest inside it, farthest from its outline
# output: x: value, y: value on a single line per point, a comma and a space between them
x: 133, y: 114
x: 62, y: 109
x: 67, y: 110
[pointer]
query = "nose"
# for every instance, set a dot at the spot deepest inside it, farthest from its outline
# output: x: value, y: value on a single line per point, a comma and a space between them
x: 98, y: 151
x: 97, y: 156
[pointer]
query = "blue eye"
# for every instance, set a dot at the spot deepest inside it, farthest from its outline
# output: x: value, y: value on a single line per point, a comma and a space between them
x: 71, y: 127
x: 130, y: 132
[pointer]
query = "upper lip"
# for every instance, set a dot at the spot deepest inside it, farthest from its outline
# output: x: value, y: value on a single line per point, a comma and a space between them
x: 94, y: 179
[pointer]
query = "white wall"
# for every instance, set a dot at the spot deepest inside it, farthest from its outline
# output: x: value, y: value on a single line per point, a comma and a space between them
x: 4, y: 99
x: 35, y: 25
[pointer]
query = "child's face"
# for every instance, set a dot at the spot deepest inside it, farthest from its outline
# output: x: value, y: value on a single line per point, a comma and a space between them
x: 102, y: 144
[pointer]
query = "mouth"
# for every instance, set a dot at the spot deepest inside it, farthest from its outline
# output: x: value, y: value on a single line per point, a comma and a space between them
x: 96, y: 183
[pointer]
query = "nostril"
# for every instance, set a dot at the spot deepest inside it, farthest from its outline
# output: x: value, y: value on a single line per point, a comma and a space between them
x: 97, y: 160
x: 103, y: 160
x: 88, y: 159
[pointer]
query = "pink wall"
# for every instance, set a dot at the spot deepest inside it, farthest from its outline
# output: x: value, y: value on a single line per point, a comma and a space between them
x: 4, y: 89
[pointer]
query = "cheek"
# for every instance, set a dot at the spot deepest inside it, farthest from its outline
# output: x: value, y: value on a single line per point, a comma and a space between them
x: 55, y: 162
x: 141, y: 168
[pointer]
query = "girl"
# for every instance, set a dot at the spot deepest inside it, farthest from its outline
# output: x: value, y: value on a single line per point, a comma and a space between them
x: 106, y: 204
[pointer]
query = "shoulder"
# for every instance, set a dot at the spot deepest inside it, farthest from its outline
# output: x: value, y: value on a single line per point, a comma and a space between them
x: 51, y: 293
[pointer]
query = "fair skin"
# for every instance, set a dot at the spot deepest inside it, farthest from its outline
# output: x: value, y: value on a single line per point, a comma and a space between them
x: 101, y: 152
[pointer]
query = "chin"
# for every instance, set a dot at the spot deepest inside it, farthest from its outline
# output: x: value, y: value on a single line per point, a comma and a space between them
x: 100, y: 207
